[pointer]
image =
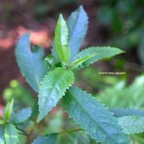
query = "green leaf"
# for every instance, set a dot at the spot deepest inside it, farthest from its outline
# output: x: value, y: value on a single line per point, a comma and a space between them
x: 8, y: 109
x: 2, y: 139
x: 52, y: 89
x: 98, y: 54
x: 61, y: 40
x: 79, y: 61
x: 132, y: 124
x: 47, y: 139
x: 11, y: 135
x: 77, y: 26
x: 120, y: 112
x: 54, y: 52
x: 97, y: 121
x: 22, y: 115
x: 30, y: 61
x: 52, y: 62
x: 2, y: 121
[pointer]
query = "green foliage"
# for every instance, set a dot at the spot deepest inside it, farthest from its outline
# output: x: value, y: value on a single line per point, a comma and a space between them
x: 79, y: 61
x: 125, y: 102
x: 77, y: 26
x: 61, y: 40
x: 132, y: 124
x: 52, y: 89
x: 95, y: 54
x: 93, y: 117
x: 120, y: 112
x: 120, y: 95
x: 11, y: 135
x: 22, y: 115
x: 30, y: 61
x: 74, y: 138
x: 52, y: 78
x: 22, y: 96
x: 2, y: 139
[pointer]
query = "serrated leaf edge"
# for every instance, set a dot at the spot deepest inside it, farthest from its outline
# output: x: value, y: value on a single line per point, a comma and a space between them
x: 83, y: 127
x: 120, y: 51
x: 63, y: 92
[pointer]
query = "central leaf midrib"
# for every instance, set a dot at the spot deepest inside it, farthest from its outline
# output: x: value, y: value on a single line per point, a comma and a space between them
x: 54, y: 85
x: 91, y: 117
x: 62, y: 49
x: 58, y: 80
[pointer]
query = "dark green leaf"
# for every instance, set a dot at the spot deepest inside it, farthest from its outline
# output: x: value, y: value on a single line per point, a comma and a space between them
x: 30, y: 61
x: 48, y: 139
x: 77, y: 25
x: 11, y: 135
x: 93, y: 117
x: 22, y: 115
x: 61, y: 40
x: 132, y: 124
x: 52, y: 89
x: 98, y: 54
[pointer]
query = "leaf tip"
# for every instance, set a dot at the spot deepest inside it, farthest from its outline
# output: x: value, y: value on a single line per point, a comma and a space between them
x: 61, y: 16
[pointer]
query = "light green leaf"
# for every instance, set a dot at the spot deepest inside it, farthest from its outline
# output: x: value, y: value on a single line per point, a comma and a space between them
x: 11, y: 135
x: 97, y: 121
x: 77, y: 26
x: 22, y: 115
x: 61, y: 40
x: 47, y: 139
x: 52, y: 89
x: 132, y: 124
x: 98, y: 54
x: 79, y: 61
x: 30, y: 61
x: 8, y: 109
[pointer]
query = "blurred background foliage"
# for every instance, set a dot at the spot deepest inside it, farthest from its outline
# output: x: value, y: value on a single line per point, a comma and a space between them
x: 118, y: 23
